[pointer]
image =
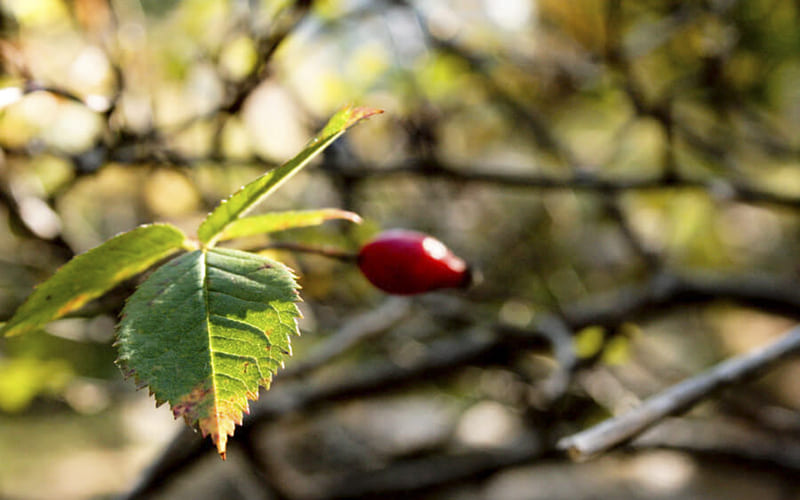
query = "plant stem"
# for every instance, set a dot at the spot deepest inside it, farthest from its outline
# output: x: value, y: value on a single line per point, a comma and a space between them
x: 679, y: 397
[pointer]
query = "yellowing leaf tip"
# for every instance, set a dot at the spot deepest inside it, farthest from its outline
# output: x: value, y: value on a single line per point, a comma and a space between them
x: 345, y: 215
x: 357, y: 114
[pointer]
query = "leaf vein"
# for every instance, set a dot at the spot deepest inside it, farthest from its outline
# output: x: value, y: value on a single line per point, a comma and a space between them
x: 228, y: 294
x: 249, y: 277
x: 242, y: 325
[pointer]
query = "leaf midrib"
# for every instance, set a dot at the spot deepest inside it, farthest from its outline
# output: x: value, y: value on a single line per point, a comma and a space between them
x: 214, y: 391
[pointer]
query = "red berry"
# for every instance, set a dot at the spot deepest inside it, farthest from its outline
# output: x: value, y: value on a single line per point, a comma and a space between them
x: 406, y: 262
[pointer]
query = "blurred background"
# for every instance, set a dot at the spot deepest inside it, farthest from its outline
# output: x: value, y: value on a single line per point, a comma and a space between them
x: 625, y: 174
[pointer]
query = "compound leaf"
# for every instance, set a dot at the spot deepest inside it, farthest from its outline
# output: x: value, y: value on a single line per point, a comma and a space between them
x: 206, y: 330
x: 93, y: 273
x: 241, y: 201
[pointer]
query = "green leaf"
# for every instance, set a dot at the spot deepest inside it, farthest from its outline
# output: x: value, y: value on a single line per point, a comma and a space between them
x: 279, y: 221
x: 86, y: 359
x: 93, y: 273
x: 240, y: 202
x: 617, y: 351
x: 205, y: 330
x: 589, y: 341
x: 23, y: 379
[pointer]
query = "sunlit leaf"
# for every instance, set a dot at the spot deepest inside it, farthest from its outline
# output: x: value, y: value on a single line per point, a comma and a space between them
x: 93, y: 273
x: 23, y: 379
x: 94, y: 360
x: 279, y: 221
x: 589, y: 341
x: 254, y: 192
x: 617, y: 351
x: 206, y: 330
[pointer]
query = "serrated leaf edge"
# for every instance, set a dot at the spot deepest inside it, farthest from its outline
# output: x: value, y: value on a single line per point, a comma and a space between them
x: 219, y: 438
x: 337, y: 125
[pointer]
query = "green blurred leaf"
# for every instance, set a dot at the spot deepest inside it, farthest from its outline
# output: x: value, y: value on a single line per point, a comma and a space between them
x: 92, y: 273
x: 85, y: 358
x: 21, y: 380
x: 443, y: 76
x: 279, y: 221
x: 589, y: 341
x: 244, y: 199
x: 239, y: 57
x: 205, y: 330
x: 617, y: 351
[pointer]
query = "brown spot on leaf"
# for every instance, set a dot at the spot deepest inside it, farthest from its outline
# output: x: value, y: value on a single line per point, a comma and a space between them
x: 187, y: 406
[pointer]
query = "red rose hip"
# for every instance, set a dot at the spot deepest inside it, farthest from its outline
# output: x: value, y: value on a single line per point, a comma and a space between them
x: 404, y: 262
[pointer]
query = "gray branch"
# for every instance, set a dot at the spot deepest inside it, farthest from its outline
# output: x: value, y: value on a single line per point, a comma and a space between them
x: 353, y: 333
x: 446, y: 357
x: 678, y: 398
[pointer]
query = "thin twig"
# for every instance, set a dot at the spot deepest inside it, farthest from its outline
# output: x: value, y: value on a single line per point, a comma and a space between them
x: 663, y: 293
x: 678, y: 398
x: 132, y: 152
x: 259, y: 469
x: 650, y: 258
x: 560, y: 338
x: 493, y: 175
x: 353, y: 333
x: 377, y: 378
x: 415, y: 476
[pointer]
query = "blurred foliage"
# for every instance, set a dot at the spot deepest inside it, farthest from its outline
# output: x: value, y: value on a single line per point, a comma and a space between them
x: 567, y: 149
x: 23, y: 379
